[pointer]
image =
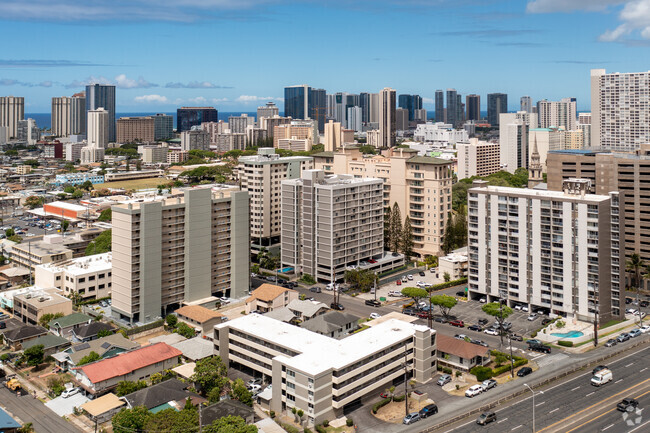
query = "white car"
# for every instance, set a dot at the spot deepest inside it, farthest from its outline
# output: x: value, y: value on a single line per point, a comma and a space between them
x: 483, y: 300
x: 644, y: 329
x: 491, y: 331
x: 473, y: 391
x: 395, y: 293
x: 421, y: 284
x: 69, y: 392
x: 409, y: 277
x: 518, y: 307
x: 532, y: 317
x: 255, y: 389
x: 524, y: 308
x: 224, y: 300
x: 375, y: 316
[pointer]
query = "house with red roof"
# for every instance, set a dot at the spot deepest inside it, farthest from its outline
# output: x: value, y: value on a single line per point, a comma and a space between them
x: 139, y: 364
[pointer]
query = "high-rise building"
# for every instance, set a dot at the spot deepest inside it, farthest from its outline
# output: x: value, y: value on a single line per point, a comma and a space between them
x: 526, y: 104
x: 477, y: 158
x: 497, y: 104
x: 195, y: 138
x: 332, y: 136
x: 364, y: 103
x: 551, y: 250
x: 268, y: 110
x: 261, y: 175
x: 132, y: 129
x: 187, y: 117
x: 473, y: 105
x: 163, y: 126
x: 420, y: 116
x: 374, y: 108
x: 441, y: 133
x: 410, y: 103
x: 408, y: 181
x: 255, y: 135
x: 188, y: 248
x: 298, y: 129
x: 269, y: 123
x: 387, y: 117
x: 557, y: 113
x: 98, y: 133
x: 331, y: 106
x: 460, y: 109
x: 452, y: 107
x: 12, y: 109
x: 401, y: 119
x: 227, y: 141
x: 355, y: 119
x: 303, y: 102
x: 584, y: 124
x: 513, y: 139
x: 102, y: 96
x: 28, y: 131
x: 69, y: 115
x: 238, y: 124
x: 354, y: 231
x: 318, y: 107
x: 620, y: 110
x: 440, y: 106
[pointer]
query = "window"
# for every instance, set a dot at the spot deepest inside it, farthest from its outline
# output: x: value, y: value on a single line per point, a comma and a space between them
x: 101, y: 275
x: 58, y: 277
x: 82, y: 280
x: 291, y: 385
x: 91, y: 278
x: 291, y: 373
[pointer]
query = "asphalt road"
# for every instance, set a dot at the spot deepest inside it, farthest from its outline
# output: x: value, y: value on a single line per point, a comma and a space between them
x: 32, y: 410
x: 574, y: 405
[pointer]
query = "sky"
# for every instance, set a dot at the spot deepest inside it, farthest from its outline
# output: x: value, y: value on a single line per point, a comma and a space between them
x: 239, y: 54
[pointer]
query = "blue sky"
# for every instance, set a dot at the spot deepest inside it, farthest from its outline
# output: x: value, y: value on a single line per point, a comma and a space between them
x: 237, y: 54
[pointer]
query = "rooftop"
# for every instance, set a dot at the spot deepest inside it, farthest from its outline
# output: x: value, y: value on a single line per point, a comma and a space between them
x: 82, y: 265
x: 70, y: 320
x: 42, y: 297
x: 100, y: 346
x: 48, y: 341
x: 428, y: 160
x: 67, y: 206
x: 163, y: 392
x: 195, y: 348
x: 102, y: 404
x: 268, y: 292
x: 460, y: 348
x: 197, y: 313
x: 7, y: 422
x: 537, y: 193
x: 25, y: 331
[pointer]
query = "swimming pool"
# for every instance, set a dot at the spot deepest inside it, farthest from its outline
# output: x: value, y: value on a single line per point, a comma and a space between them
x: 570, y: 334
x: 285, y: 270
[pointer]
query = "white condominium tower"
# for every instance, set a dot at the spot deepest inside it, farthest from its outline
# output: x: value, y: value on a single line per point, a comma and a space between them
x: 12, y: 109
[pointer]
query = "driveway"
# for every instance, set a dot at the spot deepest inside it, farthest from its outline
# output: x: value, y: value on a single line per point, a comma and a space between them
x: 65, y: 406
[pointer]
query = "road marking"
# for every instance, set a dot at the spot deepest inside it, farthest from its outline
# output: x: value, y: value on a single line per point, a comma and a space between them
x: 620, y: 380
x: 643, y: 370
x: 611, y: 425
x: 591, y: 393
x: 539, y: 404
x: 554, y: 410
x: 504, y: 419
x: 515, y: 428
x: 575, y: 388
x: 633, y: 430
x: 631, y: 363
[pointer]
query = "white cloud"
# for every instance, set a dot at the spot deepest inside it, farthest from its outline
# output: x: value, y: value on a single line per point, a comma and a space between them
x: 195, y: 85
x: 198, y: 100
x: 218, y: 100
x: 123, y: 82
x: 88, y: 81
x: 427, y: 100
x: 551, y: 6
x: 250, y: 98
x: 157, y: 99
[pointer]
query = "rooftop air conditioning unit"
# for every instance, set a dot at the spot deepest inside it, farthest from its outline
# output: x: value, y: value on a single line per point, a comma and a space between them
x: 42, y: 299
x: 28, y: 296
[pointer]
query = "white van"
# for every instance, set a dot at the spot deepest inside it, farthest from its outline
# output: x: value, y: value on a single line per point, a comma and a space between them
x: 601, y: 378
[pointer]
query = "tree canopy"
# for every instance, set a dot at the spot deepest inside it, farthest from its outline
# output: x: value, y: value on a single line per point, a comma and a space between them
x: 360, y: 279
x: 502, y: 178
x: 91, y: 357
x: 239, y: 392
x: 445, y: 303
x: 217, y: 174
x: 497, y: 310
x: 127, y: 387
x: 415, y: 293
x: 106, y: 215
x: 33, y: 201
x: 210, y: 374
x: 101, y: 244
x: 34, y: 355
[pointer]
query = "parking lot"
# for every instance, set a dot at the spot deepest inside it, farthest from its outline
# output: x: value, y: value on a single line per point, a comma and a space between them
x: 65, y: 406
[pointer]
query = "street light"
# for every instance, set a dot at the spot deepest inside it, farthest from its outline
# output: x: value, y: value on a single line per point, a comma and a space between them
x: 531, y: 390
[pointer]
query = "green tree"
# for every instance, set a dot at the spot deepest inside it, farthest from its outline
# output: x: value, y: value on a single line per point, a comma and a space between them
x: 33, y: 201
x: 11, y: 152
x: 171, y: 320
x: 106, y: 215
x: 460, y: 230
x: 47, y: 318
x: 172, y: 421
x: 406, y: 242
x: 87, y: 185
x: 131, y: 420
x: 368, y: 150
x: 388, y: 234
x: 360, y: 279
x: 101, y: 244
x: 449, y: 236
x: 445, y: 303
x: 91, y: 357
x: 447, y: 277
x: 395, y: 228
x: 34, y: 355
x: 500, y: 312
x: 210, y: 374
x: 68, y: 189
x: 34, y: 163
x: 415, y: 293
x: 15, y: 238
x: 230, y: 424
x: 104, y: 333
x: 64, y: 226
x: 77, y: 194
x: 10, y: 232
x: 239, y: 392
x: 28, y: 428
x: 127, y: 387
x: 185, y: 330
x: 431, y: 261
x: 633, y: 266
x: 3, y: 260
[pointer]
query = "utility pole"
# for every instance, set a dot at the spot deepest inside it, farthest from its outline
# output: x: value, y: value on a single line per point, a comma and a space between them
x: 375, y: 280
x: 596, y: 325
x: 512, y: 359
x: 200, y: 418
x: 406, y: 369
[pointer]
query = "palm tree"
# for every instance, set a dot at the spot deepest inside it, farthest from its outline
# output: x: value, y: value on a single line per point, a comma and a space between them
x: 634, y: 265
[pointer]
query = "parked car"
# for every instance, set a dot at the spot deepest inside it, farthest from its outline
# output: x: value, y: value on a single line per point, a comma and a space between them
x: 483, y: 300
x: 491, y: 331
x: 373, y: 303
x: 439, y: 319
x: 69, y: 392
x: 422, y: 274
x: 399, y: 282
x: 475, y: 328
x: 254, y: 381
x: 516, y: 337
x: 461, y: 293
x: 375, y: 316
x: 410, y: 277
x: 430, y: 409
x: 525, y: 371
x: 634, y: 333
x: 627, y: 405
x: 444, y: 379
x: 315, y: 289
x: 644, y: 329
x: 409, y: 311
x: 611, y: 342
x: 532, y: 316
x: 488, y: 384
x: 3, y: 325
x: 405, y: 280
x: 540, y: 348
x: 395, y: 293
x: 533, y: 341
x: 518, y: 307
x: 623, y: 337
x: 255, y: 389
x: 336, y: 306
x: 224, y: 300
x: 486, y: 418
x: 473, y: 391
x: 411, y: 418
x: 457, y: 323
x: 483, y: 322
x: 546, y: 322
x: 460, y: 336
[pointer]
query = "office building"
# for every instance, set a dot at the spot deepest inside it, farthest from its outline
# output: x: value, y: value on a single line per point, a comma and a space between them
x: 321, y: 375
x: 69, y: 115
x: 98, y: 136
x: 584, y: 124
x: 89, y: 277
x: 374, y: 108
x: 442, y: 133
x: 296, y: 129
x: 254, y: 136
x: 318, y: 107
x: 163, y: 249
x: 324, y: 250
x: 477, y: 158
x: 410, y: 103
x: 612, y: 171
x: 28, y: 131
x: 558, y: 114
x: 12, y: 109
x: 420, y: 116
x: 135, y: 129
x: 526, y: 104
x: 268, y: 110
x: 387, y: 127
x: 102, y: 96
x: 163, y: 126
x: 303, y: 102
x: 620, y: 110
x: 332, y: 136
x: 452, y: 107
x: 73, y: 151
x: 269, y: 123
x: 195, y: 139
x: 554, y: 250
x: 497, y: 104
x: 401, y: 119
x: 364, y: 103
x: 187, y: 117
x: 153, y: 153
x: 460, y: 109
x: 261, y: 175
x: 513, y: 139
x: 355, y: 119
x: 420, y: 185
x: 238, y: 124
x: 473, y: 106
x: 440, y: 106
x: 214, y: 129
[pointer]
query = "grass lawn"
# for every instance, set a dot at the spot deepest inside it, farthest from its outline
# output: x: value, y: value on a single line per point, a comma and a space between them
x: 151, y: 182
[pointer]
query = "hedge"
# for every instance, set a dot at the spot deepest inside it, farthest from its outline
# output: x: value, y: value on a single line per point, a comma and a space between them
x: 392, y: 271
x: 378, y: 406
x: 94, y: 301
x: 320, y: 429
x: 152, y: 325
x: 289, y: 428
x: 565, y: 343
x: 482, y: 373
x: 448, y: 284
x: 306, y: 430
x: 399, y: 398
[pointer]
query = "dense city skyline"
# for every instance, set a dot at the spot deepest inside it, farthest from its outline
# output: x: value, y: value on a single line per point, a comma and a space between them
x: 157, y: 56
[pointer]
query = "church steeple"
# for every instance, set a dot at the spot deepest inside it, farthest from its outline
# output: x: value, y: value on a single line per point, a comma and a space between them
x: 535, y: 168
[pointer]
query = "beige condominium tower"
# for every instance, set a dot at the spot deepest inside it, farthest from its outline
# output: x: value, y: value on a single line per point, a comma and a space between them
x: 163, y: 249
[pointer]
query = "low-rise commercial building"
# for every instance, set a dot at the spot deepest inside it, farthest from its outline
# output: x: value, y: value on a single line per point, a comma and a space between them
x: 89, y: 277
x: 32, y: 254
x: 29, y: 307
x: 75, y: 179
x: 322, y: 375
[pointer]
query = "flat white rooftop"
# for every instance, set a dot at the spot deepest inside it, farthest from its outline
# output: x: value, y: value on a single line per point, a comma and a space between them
x: 320, y: 353
x: 82, y: 265
x: 536, y: 193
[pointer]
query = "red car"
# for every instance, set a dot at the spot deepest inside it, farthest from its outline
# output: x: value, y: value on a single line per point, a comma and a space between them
x: 457, y: 323
x: 423, y: 315
x: 399, y: 282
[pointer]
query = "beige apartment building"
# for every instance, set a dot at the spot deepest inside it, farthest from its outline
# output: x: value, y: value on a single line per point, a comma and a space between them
x: 420, y: 185
x: 297, y: 129
x: 30, y: 306
x: 163, y: 249
x: 31, y: 254
x: 90, y: 276
x: 627, y: 173
x: 262, y: 175
x: 477, y: 158
x: 132, y: 129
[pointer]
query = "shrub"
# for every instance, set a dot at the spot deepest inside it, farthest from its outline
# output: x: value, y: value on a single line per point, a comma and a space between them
x: 326, y: 423
x: 349, y: 422
x: 399, y: 398
x: 379, y: 405
x: 447, y: 370
x: 533, y: 334
x: 289, y: 428
x: 320, y: 429
x: 560, y: 324
x: 438, y: 367
x: 272, y: 414
x: 306, y: 430
x: 459, y: 374
x: 565, y: 343
x: 481, y: 373
x: 457, y: 387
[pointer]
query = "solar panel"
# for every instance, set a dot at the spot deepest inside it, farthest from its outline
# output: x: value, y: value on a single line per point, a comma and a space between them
x: 105, y: 345
x: 82, y: 346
